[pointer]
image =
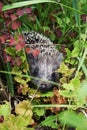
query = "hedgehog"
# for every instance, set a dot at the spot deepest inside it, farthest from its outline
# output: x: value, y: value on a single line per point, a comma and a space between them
x: 44, y: 65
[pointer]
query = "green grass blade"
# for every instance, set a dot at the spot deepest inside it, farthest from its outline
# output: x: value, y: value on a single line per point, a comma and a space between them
x: 9, y: 80
x: 81, y: 62
x: 23, y: 3
x: 76, y: 6
x: 57, y: 105
x: 84, y: 70
x: 31, y: 2
x: 28, y: 76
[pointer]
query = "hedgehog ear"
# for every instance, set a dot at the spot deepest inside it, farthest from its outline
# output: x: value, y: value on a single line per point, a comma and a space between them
x: 59, y: 58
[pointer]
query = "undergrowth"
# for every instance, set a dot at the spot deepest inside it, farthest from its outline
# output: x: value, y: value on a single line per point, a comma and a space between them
x: 22, y: 107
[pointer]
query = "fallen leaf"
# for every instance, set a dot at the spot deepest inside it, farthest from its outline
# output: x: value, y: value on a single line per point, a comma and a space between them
x: 13, y: 17
x: 21, y: 12
x: 16, y: 25
x: 3, y: 38
x: 12, y: 41
x: 28, y: 10
x: 57, y: 99
x: 20, y: 46
x: 24, y: 108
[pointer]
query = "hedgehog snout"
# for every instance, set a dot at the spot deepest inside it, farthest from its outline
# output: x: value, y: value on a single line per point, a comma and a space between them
x: 44, y: 87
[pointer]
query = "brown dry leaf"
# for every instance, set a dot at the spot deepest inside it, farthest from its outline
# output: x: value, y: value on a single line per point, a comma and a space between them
x: 57, y: 99
x: 24, y: 108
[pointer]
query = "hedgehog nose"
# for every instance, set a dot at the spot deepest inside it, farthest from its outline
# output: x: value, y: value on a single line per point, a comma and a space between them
x: 43, y: 88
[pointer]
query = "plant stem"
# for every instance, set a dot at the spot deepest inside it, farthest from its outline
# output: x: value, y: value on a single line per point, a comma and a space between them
x: 81, y: 62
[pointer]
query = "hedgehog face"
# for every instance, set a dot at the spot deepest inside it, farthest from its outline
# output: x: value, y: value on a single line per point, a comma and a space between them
x: 44, y: 67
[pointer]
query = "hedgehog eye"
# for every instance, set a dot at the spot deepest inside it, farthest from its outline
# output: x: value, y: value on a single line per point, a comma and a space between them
x: 30, y: 56
x: 35, y: 71
x: 53, y: 75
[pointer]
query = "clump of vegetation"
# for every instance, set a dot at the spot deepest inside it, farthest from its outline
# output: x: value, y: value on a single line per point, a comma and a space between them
x: 21, y: 106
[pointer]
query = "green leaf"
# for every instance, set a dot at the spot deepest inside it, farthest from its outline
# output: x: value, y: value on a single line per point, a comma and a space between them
x: 82, y: 92
x: 21, y: 121
x: 76, y: 83
x: 66, y: 20
x: 68, y: 53
x: 65, y: 70
x: 15, y: 69
x: 83, y: 1
x: 47, y: 94
x: 50, y: 121
x: 23, y: 58
x: 68, y: 86
x: 39, y: 112
x: 70, y: 118
x: 66, y: 93
x: 3, y: 127
x: 59, y: 21
x: 20, y: 80
x: 5, y: 110
x: 77, y: 49
x: 16, y: 123
x: 75, y: 52
x: 83, y: 37
x: 73, y: 85
x: 11, y: 51
x: 71, y: 89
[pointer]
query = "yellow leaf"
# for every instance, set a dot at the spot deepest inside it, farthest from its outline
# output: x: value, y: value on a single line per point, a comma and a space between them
x: 63, y: 80
x: 25, y: 89
x: 65, y: 70
x: 24, y: 108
